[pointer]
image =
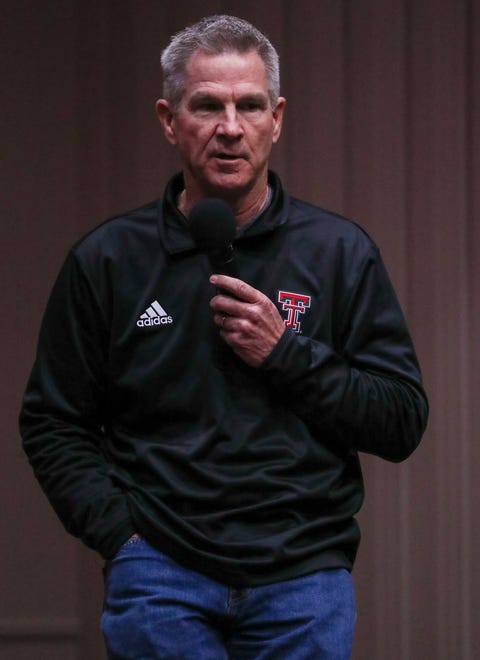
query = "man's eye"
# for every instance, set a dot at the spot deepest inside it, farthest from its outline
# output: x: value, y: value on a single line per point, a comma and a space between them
x: 250, y: 107
x: 208, y: 107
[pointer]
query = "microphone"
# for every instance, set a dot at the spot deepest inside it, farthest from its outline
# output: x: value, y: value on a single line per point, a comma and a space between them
x: 212, y: 225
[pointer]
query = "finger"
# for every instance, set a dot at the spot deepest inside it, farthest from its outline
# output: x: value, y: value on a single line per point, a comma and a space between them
x: 237, y: 288
x: 228, y: 306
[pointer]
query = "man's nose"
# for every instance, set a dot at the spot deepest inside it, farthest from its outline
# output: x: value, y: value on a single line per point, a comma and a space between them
x: 230, y: 125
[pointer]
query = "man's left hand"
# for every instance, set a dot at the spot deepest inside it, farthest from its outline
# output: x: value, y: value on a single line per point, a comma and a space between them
x: 249, y: 322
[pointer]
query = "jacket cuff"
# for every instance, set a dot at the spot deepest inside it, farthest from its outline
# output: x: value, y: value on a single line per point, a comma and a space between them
x: 114, y: 542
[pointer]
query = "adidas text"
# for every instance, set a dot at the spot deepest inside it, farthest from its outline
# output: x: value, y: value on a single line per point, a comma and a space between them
x: 158, y: 320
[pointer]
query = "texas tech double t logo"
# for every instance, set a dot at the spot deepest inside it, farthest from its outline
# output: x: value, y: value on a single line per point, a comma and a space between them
x: 294, y: 304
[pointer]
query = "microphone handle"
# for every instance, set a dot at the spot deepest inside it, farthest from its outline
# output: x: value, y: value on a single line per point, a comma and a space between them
x: 223, y: 261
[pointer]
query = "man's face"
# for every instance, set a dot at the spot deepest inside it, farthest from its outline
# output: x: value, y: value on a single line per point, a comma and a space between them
x: 225, y: 126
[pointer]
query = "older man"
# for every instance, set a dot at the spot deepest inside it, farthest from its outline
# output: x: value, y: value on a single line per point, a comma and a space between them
x: 202, y: 431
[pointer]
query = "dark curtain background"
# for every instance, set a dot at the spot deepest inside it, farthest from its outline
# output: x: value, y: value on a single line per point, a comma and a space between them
x: 383, y: 125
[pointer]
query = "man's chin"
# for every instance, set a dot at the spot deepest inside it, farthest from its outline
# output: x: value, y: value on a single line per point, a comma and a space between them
x: 230, y: 186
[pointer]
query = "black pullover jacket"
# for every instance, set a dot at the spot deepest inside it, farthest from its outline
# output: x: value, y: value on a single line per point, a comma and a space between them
x: 137, y: 418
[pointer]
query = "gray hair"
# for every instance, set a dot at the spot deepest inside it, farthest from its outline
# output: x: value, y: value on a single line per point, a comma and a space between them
x: 215, y: 35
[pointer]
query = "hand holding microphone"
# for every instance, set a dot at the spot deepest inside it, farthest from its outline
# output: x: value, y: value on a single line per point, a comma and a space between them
x: 248, y: 320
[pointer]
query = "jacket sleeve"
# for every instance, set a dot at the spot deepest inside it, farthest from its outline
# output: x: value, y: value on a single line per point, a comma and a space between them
x: 63, y: 415
x: 367, y: 388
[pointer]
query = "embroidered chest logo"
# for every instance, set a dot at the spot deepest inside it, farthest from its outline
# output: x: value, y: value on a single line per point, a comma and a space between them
x: 154, y: 315
x: 294, y: 304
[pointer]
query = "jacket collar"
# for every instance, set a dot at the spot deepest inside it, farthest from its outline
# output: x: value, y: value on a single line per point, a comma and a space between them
x: 173, y: 224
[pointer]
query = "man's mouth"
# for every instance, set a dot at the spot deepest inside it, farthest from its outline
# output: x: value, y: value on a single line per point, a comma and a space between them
x: 226, y: 156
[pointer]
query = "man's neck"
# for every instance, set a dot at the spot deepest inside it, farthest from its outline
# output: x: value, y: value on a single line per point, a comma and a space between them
x: 244, y: 209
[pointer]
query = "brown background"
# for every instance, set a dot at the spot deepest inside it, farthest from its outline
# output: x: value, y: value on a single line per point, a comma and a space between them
x: 383, y: 125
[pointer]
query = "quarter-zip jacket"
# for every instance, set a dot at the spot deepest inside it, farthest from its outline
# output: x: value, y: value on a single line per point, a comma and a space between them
x: 137, y: 418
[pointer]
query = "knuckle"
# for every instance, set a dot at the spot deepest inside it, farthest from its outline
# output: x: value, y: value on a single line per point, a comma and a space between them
x: 245, y: 327
x: 243, y: 289
x: 256, y: 314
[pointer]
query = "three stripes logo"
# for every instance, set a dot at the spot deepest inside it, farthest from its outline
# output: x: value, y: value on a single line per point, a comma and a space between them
x: 154, y: 315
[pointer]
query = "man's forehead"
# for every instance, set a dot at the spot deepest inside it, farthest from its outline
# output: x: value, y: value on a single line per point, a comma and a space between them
x: 230, y: 67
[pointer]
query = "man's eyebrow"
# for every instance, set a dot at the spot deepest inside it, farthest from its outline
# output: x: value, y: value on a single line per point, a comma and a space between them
x: 204, y: 96
x: 253, y: 97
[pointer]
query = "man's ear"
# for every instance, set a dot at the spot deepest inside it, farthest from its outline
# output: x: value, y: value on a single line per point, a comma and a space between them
x: 278, y: 118
x: 165, y: 117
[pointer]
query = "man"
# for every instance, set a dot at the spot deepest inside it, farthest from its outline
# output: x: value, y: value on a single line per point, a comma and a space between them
x: 201, y: 431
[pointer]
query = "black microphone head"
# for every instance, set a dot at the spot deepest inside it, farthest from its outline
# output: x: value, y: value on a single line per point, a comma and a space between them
x: 212, y: 224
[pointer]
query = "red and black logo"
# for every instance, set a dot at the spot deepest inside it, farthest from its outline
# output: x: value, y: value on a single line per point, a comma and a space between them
x: 294, y: 304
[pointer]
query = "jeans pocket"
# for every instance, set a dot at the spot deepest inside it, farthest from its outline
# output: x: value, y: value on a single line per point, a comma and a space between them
x: 135, y: 538
x: 124, y: 548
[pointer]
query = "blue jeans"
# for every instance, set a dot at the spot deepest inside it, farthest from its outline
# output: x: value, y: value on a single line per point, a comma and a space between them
x: 156, y: 609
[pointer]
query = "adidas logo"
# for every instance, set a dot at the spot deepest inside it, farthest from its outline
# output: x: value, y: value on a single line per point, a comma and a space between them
x: 154, y: 315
